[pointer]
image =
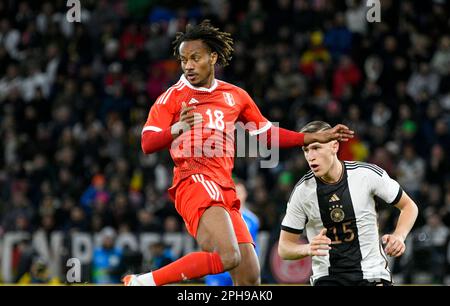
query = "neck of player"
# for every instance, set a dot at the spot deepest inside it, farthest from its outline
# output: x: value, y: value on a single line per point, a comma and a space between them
x: 335, y: 173
x: 208, y: 82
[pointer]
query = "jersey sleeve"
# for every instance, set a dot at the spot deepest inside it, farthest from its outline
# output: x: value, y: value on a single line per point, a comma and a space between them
x: 385, y: 187
x: 161, y: 114
x: 251, y: 116
x: 295, y: 218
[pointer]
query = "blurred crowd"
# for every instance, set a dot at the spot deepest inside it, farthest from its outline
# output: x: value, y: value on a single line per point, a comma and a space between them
x: 74, y: 98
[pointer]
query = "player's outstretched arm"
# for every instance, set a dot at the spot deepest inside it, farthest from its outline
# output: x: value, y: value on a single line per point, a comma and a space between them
x: 395, y: 242
x: 290, y: 249
x: 340, y: 132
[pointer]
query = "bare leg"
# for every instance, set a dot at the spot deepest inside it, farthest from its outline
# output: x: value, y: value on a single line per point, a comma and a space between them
x: 215, y: 233
x: 248, y: 271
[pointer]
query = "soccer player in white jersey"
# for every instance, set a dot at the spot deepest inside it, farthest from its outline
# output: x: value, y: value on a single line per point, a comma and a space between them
x: 335, y: 204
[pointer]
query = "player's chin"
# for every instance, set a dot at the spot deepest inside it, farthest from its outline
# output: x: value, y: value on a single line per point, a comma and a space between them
x: 317, y: 172
x: 195, y: 81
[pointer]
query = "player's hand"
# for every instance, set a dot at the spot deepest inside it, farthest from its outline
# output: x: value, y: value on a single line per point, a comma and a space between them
x: 319, y: 243
x: 395, y: 245
x: 340, y: 132
x: 187, y: 120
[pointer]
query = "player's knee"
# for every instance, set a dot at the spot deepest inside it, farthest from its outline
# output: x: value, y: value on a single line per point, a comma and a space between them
x: 230, y: 259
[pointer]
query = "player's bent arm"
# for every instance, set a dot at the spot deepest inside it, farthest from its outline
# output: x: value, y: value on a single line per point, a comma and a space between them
x: 153, y: 141
x: 408, y: 216
x: 289, y: 247
x: 395, y: 242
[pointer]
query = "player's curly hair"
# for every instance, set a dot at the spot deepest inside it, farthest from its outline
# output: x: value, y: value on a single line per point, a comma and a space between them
x: 217, y: 41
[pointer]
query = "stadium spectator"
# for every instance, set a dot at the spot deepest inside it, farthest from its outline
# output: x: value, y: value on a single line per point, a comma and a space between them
x: 106, y: 259
x: 431, y: 247
x: 39, y: 273
x: 161, y: 255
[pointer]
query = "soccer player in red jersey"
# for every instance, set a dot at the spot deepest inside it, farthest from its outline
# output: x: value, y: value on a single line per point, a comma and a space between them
x: 195, y: 118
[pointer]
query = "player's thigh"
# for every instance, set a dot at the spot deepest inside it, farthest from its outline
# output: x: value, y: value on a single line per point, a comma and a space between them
x: 247, y: 273
x: 193, y: 198
x: 215, y: 231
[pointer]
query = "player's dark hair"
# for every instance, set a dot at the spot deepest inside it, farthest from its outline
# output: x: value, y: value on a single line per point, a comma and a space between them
x: 217, y: 41
x: 315, y: 126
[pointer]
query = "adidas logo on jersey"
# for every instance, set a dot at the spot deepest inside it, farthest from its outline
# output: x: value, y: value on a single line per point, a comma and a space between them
x: 193, y: 101
x: 334, y: 198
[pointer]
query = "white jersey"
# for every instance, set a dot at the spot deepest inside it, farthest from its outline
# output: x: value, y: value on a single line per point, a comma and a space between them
x: 347, y: 210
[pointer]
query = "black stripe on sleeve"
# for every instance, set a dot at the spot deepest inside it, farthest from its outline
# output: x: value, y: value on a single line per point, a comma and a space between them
x: 307, y: 176
x: 397, y: 198
x: 291, y: 230
x: 365, y: 167
x: 370, y: 165
x: 374, y: 167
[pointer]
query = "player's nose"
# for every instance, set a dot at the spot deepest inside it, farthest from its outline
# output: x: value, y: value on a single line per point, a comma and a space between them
x: 189, y: 66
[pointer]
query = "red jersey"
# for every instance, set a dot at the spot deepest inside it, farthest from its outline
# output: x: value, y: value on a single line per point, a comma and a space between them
x: 208, y: 149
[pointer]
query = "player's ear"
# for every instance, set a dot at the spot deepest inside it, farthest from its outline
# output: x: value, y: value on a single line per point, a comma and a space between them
x: 335, y: 146
x: 213, y: 58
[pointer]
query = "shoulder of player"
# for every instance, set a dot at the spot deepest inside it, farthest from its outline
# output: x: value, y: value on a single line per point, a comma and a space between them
x: 364, y: 167
x: 304, y: 188
x: 306, y: 182
x: 230, y: 87
x: 172, y: 91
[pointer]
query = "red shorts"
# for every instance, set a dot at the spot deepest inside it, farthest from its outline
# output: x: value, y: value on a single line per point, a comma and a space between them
x: 196, y: 193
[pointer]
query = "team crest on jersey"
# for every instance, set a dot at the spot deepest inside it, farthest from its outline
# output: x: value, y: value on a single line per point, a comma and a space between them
x: 337, y: 213
x: 229, y: 99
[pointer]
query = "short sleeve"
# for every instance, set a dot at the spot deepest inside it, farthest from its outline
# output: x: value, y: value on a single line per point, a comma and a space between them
x: 295, y: 218
x: 160, y: 116
x: 251, y: 116
x: 385, y: 187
